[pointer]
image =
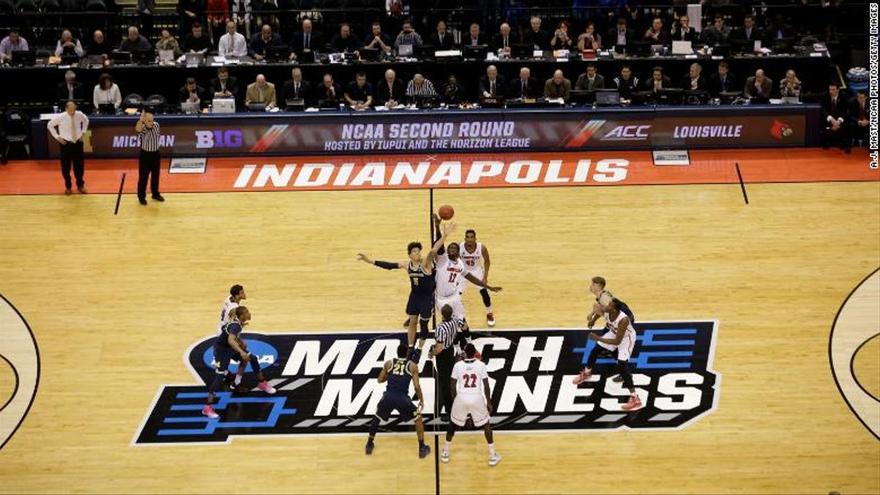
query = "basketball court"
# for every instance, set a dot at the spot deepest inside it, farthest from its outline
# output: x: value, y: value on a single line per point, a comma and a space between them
x: 776, y: 390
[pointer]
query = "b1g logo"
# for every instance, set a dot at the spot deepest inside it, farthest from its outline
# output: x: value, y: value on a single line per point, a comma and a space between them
x: 327, y: 384
x: 230, y: 138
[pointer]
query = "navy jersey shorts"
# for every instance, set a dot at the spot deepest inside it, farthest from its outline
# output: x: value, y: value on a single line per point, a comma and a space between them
x: 419, y: 304
x: 398, y: 401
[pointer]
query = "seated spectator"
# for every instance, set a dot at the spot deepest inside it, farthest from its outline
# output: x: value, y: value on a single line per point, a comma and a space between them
x: 106, y: 92
x: 134, y: 42
x: 524, y: 87
x: 191, y: 92
x: 779, y: 29
x: 656, y: 35
x: 748, y: 32
x: 68, y: 45
x: 260, y: 91
x: 224, y: 85
x: 834, y: 116
x: 359, y: 93
x: 232, y: 44
x: 70, y: 89
x: 474, y: 36
x: 453, y: 93
x: 329, y: 93
x: 12, y: 43
x: 442, y: 39
x: 262, y: 41
x: 683, y: 30
x: 378, y: 39
x: 694, y: 80
x: 790, y: 85
x: 536, y: 37
x: 168, y: 42
x: 620, y: 35
x: 590, y: 80
x: 758, y: 86
x: 717, y: 33
x: 407, y: 36
x: 492, y: 84
x: 306, y: 40
x: 196, y: 41
x: 345, y: 41
x: 297, y: 88
x: 390, y: 91
x: 419, y: 86
x: 561, y: 39
x: 589, y: 39
x: 504, y: 40
x: 626, y: 82
x: 99, y: 44
x: 859, y: 116
x: 657, y: 81
x: 557, y: 86
x: 722, y: 81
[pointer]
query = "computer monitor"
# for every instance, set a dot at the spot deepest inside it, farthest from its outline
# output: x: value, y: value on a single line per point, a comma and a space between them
x: 189, y: 107
x: 696, y: 97
x: 670, y: 96
x: 522, y: 50
x: 119, y: 57
x: 69, y: 58
x: 295, y: 105
x: 278, y: 53
x: 256, y: 107
x: 223, y: 105
x: 370, y: 54
x: 606, y: 97
x: 581, y: 96
x: 306, y: 57
x: 143, y: 57
x: 95, y: 61
x: 475, y: 52
x: 24, y: 58
x: 425, y: 52
x: 106, y: 108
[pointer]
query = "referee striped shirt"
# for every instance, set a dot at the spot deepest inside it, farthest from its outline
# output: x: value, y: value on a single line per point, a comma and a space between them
x: 150, y: 138
x: 426, y: 89
x: 447, y: 332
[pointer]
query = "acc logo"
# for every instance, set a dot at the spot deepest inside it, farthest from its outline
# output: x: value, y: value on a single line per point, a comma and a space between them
x: 327, y: 384
x: 627, y: 133
x: 231, y: 138
x: 781, y: 130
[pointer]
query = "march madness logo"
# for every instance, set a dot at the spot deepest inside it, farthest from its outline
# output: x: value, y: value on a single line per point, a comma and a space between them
x: 327, y: 384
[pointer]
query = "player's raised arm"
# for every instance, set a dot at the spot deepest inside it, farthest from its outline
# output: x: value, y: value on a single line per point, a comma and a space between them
x: 388, y: 265
x: 437, y: 248
x: 481, y: 283
x: 383, y: 374
x: 618, y: 336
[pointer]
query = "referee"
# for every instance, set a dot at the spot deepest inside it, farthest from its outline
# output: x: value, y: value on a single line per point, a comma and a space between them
x: 148, y: 160
x: 446, y: 335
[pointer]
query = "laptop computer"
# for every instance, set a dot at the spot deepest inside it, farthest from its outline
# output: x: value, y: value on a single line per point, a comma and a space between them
x: 682, y: 48
x: 194, y: 59
x: 370, y: 54
x: 223, y: 105
x: 474, y: 52
x: 166, y: 56
x: 607, y: 97
x: 119, y: 57
x: 277, y: 53
x: 405, y: 51
x: 24, y: 58
x: 295, y: 105
x: 581, y: 96
x: 189, y: 107
x: 256, y: 107
x: 107, y: 109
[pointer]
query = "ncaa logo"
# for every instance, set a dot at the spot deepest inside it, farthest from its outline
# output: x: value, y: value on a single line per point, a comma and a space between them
x: 265, y: 353
x: 326, y: 384
x: 231, y: 138
x: 627, y: 133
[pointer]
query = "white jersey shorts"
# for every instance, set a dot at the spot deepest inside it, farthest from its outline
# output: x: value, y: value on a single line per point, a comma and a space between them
x: 455, y: 301
x: 473, y: 405
x: 624, y: 350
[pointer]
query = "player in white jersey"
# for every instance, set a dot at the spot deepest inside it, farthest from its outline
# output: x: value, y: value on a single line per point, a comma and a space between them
x: 236, y: 296
x: 471, y: 397
x: 620, y: 339
x: 476, y: 257
x: 452, y: 273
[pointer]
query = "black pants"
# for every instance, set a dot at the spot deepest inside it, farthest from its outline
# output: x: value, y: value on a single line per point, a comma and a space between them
x: 148, y: 166
x: 837, y: 138
x: 73, y: 153
x: 621, y: 367
x: 445, y: 362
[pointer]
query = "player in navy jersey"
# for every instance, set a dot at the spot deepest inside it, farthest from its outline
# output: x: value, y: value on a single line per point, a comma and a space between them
x: 398, y: 373
x: 227, y: 346
x: 420, y: 270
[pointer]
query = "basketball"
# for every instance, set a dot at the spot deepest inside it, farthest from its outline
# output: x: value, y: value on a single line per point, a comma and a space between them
x: 446, y: 212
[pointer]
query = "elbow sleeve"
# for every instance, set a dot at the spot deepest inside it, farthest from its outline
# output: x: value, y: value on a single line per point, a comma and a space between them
x: 385, y: 264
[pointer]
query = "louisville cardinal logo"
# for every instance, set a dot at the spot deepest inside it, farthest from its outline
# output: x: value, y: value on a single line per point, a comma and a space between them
x: 780, y: 130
